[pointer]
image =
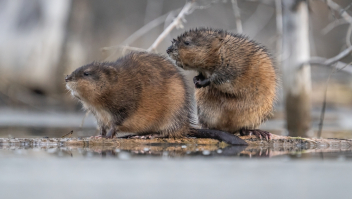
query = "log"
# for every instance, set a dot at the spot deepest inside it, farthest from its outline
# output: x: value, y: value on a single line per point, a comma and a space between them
x: 278, y: 145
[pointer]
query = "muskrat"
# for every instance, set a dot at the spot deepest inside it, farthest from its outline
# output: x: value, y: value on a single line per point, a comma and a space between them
x: 236, y: 85
x: 140, y: 93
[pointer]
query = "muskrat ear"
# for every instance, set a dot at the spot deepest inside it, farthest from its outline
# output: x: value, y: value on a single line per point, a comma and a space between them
x: 218, y: 41
x: 113, y: 71
x: 221, y: 36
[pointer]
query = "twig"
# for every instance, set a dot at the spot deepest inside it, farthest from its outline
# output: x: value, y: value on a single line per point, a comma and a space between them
x: 123, y: 47
x: 339, y: 69
x: 320, y: 61
x: 146, y: 28
x: 343, y: 14
x: 258, y: 20
x: 84, y: 118
x: 348, y: 36
x: 323, y: 61
x: 67, y: 134
x: 265, y: 2
x: 338, y: 57
x: 167, y: 22
x: 187, y: 9
x: 333, y: 25
x: 322, y: 115
x: 176, y: 23
x: 279, y: 30
x: 236, y: 12
x: 140, y: 32
x: 347, y: 7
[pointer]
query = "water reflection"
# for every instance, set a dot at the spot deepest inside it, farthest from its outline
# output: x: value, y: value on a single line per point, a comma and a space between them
x: 172, y: 151
x: 33, y: 146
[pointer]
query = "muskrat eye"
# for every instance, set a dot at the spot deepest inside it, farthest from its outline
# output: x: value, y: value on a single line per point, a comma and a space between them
x: 85, y: 74
x: 186, y: 43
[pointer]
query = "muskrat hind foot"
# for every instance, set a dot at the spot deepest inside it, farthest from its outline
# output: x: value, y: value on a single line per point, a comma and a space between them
x: 257, y: 132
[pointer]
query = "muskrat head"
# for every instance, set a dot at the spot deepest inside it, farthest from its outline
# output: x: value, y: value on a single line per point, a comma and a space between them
x: 197, y: 49
x: 90, y: 82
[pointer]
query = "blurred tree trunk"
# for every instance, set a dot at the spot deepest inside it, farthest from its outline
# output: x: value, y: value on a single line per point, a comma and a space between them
x: 296, y: 77
x: 32, y: 33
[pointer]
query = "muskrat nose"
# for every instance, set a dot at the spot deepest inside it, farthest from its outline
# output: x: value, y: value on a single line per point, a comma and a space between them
x: 169, y: 50
x: 68, y: 78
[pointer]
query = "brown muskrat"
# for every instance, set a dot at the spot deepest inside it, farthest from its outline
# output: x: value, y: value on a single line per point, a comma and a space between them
x: 140, y: 93
x: 236, y: 85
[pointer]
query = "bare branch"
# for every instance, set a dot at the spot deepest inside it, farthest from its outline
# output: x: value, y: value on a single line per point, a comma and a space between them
x: 236, y: 12
x: 348, y: 36
x: 142, y: 31
x: 146, y: 28
x: 325, y: 95
x: 340, y: 65
x: 266, y: 2
x: 333, y: 60
x: 322, y: 114
x: 339, y: 56
x: 347, y: 7
x: 258, y: 20
x: 333, y: 25
x: 342, y: 68
x: 186, y: 10
x: 343, y: 14
x: 279, y: 30
x: 122, y: 47
x: 177, y: 22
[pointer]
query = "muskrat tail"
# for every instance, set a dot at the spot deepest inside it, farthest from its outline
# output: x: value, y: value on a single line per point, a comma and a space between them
x: 217, y: 135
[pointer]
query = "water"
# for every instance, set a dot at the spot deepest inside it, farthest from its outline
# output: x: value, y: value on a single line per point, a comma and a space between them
x: 15, y: 149
x: 168, y: 170
x: 171, y: 151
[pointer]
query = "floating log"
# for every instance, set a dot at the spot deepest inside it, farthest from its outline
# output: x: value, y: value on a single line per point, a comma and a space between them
x: 278, y: 145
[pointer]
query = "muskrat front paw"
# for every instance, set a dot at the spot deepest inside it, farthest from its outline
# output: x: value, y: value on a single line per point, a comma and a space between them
x: 201, y: 84
x: 257, y: 132
x: 198, y: 78
x: 197, y: 84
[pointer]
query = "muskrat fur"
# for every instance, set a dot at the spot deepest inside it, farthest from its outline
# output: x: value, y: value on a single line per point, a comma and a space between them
x: 236, y: 85
x: 140, y: 93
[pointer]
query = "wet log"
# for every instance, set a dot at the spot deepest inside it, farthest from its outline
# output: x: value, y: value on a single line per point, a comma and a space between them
x: 277, y: 143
